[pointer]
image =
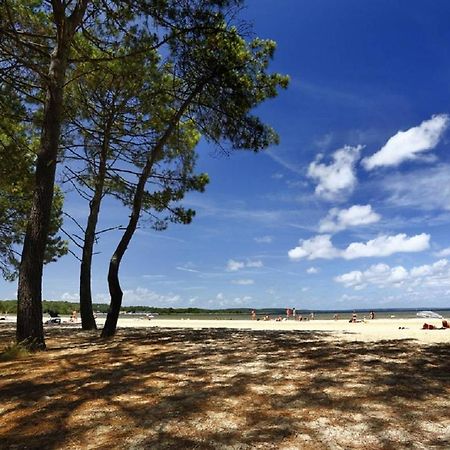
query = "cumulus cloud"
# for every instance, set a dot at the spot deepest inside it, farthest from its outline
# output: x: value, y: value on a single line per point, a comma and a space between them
x: 387, y: 245
x: 443, y: 253
x: 382, y: 275
x: 317, y: 247
x: 234, y: 266
x: 244, y: 282
x: 321, y: 247
x: 340, y: 219
x: 406, y: 145
x: 337, y: 178
x: 312, y: 270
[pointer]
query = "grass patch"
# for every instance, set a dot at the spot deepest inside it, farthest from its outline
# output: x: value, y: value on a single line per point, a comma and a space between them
x: 14, y: 351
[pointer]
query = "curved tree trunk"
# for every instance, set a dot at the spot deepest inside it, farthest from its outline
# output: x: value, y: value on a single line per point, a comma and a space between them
x: 115, y: 290
x: 86, y: 312
x: 29, y: 294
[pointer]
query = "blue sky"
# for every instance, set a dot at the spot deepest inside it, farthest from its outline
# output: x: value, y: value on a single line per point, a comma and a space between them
x: 351, y: 210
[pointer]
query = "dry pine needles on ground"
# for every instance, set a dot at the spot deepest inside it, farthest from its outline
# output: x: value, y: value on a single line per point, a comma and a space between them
x: 224, y: 389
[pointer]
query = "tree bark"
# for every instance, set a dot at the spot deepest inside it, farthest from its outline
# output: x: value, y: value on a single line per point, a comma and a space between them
x: 115, y: 290
x: 29, y: 295
x: 86, y: 312
x: 29, y: 310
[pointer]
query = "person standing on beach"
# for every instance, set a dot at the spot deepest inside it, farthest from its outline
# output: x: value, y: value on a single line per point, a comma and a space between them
x: 253, y: 314
x: 372, y: 315
x: 293, y: 313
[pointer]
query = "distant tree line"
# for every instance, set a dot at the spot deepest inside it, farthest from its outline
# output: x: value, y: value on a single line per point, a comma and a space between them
x: 66, y: 308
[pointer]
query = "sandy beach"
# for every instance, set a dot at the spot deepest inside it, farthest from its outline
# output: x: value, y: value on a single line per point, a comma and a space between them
x: 366, y: 330
x: 370, y: 330
x: 200, y: 384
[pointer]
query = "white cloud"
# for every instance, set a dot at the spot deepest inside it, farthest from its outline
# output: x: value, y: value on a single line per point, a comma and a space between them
x: 340, y: 219
x: 387, y: 245
x: 221, y: 301
x: 382, y: 275
x: 443, y: 253
x: 234, y: 266
x: 263, y: 239
x: 70, y: 297
x: 144, y: 296
x: 187, y: 269
x: 312, y: 270
x: 427, y: 270
x: 337, y: 178
x: 317, y: 247
x: 321, y: 247
x: 406, y: 145
x: 244, y: 282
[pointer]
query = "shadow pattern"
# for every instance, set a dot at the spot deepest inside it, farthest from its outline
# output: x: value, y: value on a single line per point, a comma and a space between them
x: 219, y: 388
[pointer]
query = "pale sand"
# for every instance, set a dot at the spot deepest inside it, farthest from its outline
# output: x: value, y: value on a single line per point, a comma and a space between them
x: 371, y: 330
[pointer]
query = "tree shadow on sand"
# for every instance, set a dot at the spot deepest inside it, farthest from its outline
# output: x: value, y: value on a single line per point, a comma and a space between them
x: 216, y: 388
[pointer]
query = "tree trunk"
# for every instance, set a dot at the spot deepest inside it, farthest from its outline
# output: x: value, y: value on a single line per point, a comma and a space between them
x: 29, y: 294
x: 86, y: 312
x: 115, y: 290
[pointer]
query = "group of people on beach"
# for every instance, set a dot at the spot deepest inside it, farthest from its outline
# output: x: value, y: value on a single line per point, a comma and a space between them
x: 291, y: 313
x: 354, y: 318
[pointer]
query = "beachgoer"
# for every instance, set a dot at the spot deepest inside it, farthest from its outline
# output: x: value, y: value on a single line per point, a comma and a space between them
x: 293, y: 313
x: 73, y: 317
x: 336, y: 317
x: 372, y: 315
x: 253, y: 314
x: 354, y: 317
x: 311, y: 316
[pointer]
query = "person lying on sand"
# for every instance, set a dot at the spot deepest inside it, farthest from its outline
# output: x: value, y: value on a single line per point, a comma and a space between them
x: 429, y: 326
